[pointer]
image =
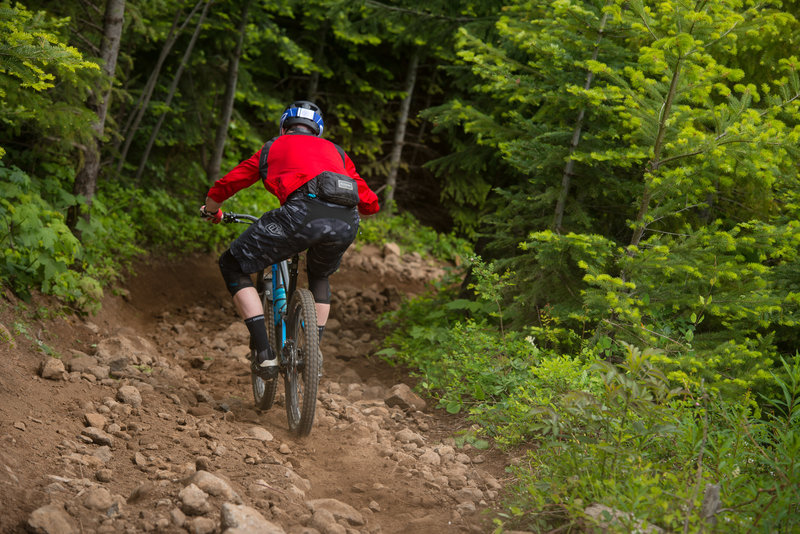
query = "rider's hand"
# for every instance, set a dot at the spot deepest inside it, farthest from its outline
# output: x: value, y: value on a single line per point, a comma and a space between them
x: 210, y: 216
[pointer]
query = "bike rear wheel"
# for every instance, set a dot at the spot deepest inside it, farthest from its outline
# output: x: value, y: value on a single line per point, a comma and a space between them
x: 301, y: 376
x: 264, y: 390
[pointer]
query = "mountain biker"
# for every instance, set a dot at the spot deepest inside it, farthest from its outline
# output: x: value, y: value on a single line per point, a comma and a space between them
x: 321, y: 196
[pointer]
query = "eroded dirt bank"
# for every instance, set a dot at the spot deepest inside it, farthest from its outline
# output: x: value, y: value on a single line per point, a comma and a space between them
x: 144, y: 422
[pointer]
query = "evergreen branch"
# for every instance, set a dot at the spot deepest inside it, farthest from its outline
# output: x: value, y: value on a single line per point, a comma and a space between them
x: 664, y: 232
x: 675, y: 213
x: 92, y: 25
x: 619, y: 325
x: 700, y: 151
x: 90, y: 45
x: 501, y: 58
x: 721, y: 37
x: 416, y: 13
x: 718, y: 139
x: 647, y: 25
x: 87, y: 6
x: 795, y: 97
x: 756, y: 8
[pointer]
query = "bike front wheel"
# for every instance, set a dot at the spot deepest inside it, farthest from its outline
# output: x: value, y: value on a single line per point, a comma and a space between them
x: 301, y: 376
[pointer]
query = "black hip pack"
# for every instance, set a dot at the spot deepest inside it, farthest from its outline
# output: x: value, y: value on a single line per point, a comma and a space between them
x: 334, y: 188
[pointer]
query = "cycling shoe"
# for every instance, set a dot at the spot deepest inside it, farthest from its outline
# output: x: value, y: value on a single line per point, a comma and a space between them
x: 264, y: 366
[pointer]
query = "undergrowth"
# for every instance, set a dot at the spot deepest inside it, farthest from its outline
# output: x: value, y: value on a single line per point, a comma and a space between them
x: 40, y: 252
x: 412, y: 236
x: 621, y: 437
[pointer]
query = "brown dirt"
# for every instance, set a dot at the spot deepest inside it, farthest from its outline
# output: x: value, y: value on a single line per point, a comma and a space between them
x: 41, y: 420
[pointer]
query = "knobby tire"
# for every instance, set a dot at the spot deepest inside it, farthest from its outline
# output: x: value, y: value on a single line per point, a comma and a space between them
x: 264, y: 390
x: 301, y: 376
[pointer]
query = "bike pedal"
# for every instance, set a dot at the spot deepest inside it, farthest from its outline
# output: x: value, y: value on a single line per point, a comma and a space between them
x: 266, y: 372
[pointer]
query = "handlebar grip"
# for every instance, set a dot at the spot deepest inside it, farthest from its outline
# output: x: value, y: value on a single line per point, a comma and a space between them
x: 230, y: 217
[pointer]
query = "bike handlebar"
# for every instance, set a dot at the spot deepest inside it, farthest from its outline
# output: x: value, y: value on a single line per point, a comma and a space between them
x: 230, y: 217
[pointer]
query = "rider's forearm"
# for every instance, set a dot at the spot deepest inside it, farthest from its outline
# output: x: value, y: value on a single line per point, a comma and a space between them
x: 212, y: 206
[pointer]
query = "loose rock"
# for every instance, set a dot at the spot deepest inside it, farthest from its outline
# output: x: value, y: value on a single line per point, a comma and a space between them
x: 240, y: 519
x: 53, y: 369
x: 214, y: 485
x: 339, y: 510
x: 51, y: 519
x: 129, y: 395
x: 194, y: 501
x: 401, y: 396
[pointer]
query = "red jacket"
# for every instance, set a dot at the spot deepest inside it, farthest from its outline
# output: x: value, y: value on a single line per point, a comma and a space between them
x: 291, y: 161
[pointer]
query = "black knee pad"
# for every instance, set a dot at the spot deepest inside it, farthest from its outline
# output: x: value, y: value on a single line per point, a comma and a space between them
x: 235, y: 278
x: 320, y: 288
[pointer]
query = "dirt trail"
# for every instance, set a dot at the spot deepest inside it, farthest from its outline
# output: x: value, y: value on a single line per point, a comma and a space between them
x: 144, y: 423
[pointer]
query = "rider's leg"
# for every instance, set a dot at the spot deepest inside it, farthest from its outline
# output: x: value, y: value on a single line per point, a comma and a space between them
x: 240, y: 286
x: 323, y: 310
x: 321, y: 289
x: 248, y: 305
x: 334, y: 232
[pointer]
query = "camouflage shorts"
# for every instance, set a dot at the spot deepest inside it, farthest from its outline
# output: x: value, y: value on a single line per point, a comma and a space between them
x: 324, y: 230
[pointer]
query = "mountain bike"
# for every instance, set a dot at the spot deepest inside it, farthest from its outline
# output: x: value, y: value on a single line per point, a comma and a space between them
x: 291, y: 320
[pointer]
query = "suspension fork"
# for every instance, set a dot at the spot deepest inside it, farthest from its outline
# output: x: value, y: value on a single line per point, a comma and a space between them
x: 294, y: 264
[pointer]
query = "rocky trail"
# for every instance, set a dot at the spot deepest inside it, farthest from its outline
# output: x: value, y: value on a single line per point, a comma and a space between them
x: 144, y: 421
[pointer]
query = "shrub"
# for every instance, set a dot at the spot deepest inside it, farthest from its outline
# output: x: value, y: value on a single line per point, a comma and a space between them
x: 412, y: 236
x: 653, y: 456
x: 39, y: 250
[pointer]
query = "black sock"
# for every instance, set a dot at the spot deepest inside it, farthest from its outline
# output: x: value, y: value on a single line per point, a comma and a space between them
x: 321, y: 329
x: 258, y: 333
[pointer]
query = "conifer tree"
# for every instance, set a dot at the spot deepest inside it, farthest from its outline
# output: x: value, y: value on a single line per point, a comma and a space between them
x: 35, y: 57
x: 679, y: 180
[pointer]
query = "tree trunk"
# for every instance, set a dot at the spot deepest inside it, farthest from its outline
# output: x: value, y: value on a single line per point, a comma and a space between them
x: 654, y: 164
x: 313, y: 82
x: 400, y: 133
x: 576, y: 137
x: 171, y: 92
x: 227, y: 104
x: 137, y: 113
x: 86, y: 179
x: 420, y: 141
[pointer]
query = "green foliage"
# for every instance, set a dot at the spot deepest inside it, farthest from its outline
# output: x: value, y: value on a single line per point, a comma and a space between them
x: 39, y: 251
x: 676, y: 173
x: 652, y: 459
x: 34, y: 57
x: 405, y: 230
x: 490, y: 286
x: 38, y: 248
x: 707, y: 330
x: 28, y: 49
x: 619, y: 435
x: 629, y: 436
x: 468, y: 367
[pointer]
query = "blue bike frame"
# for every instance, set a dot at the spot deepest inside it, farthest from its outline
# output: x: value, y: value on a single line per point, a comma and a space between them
x: 281, y: 273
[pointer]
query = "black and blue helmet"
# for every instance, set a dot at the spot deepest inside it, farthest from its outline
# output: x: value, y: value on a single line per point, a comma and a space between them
x: 305, y: 113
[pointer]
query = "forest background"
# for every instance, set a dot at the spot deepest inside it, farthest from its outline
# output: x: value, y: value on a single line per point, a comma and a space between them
x: 619, y: 179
